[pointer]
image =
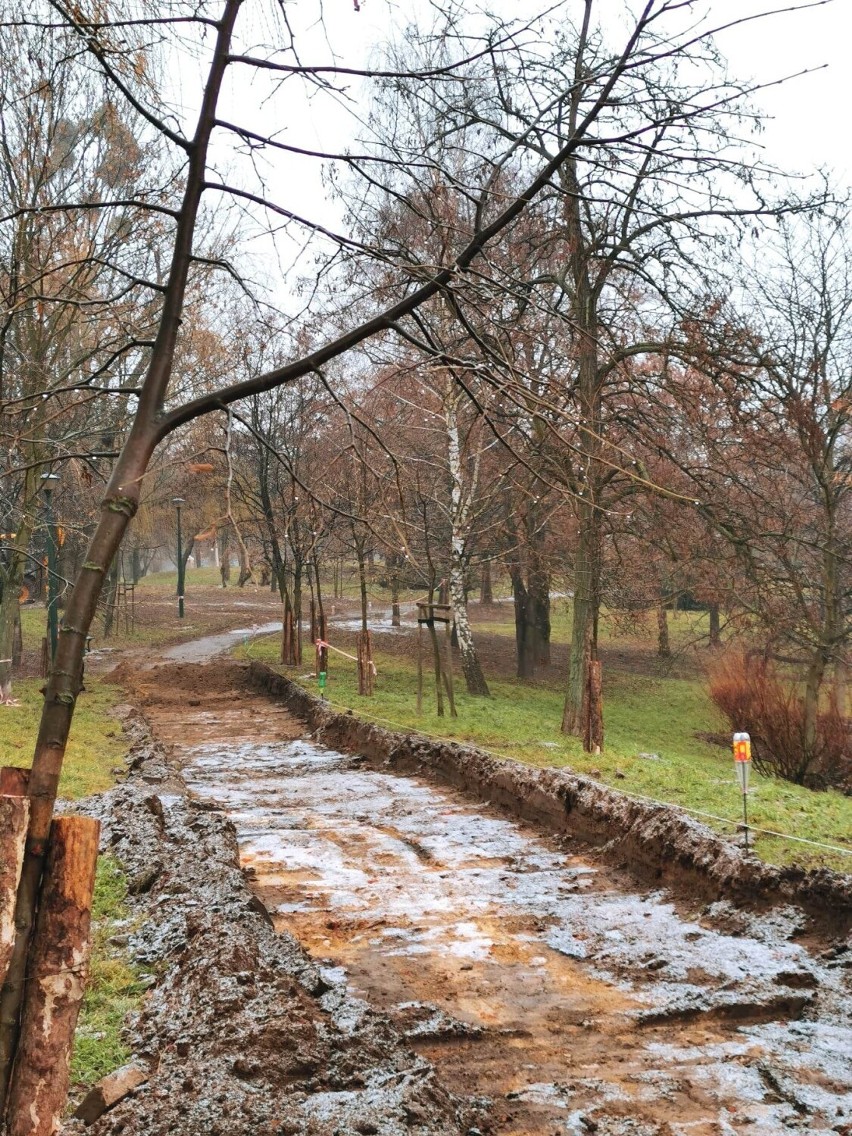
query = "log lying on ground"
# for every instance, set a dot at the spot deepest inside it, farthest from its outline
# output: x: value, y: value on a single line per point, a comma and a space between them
x: 57, y: 971
x: 14, y: 817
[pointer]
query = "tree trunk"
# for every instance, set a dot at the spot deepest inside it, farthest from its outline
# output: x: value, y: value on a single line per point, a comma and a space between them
x: 8, y: 619
x: 56, y: 980
x: 460, y: 516
x: 593, y: 735
x: 589, y: 476
x: 118, y: 507
x: 297, y: 611
x: 245, y: 568
x: 715, y: 626
x: 524, y: 633
x: 585, y: 607
x: 664, y: 649
x: 486, y: 593
x: 393, y: 563
x: 362, y: 582
x: 539, y: 590
x: 225, y: 554
x: 11, y: 584
x: 365, y: 664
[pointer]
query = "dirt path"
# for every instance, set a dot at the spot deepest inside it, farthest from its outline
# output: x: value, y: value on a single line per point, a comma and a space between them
x: 524, y: 974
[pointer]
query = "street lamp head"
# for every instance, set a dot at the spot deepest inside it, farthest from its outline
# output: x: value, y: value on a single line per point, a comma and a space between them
x: 177, y: 502
x: 50, y: 479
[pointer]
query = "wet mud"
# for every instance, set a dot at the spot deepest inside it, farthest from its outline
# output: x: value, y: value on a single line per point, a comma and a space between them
x: 659, y: 843
x: 540, y: 985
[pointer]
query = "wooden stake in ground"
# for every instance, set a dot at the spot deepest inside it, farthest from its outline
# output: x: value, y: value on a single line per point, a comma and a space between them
x: 57, y: 970
x: 14, y: 818
x: 593, y: 733
x: 365, y: 663
x: 419, y: 667
x: 448, y: 670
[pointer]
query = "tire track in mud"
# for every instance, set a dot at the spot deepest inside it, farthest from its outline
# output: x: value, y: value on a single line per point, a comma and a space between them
x: 525, y: 974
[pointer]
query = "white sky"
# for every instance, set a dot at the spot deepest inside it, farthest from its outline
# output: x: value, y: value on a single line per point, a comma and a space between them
x: 806, y: 126
x: 810, y: 116
x: 809, y: 125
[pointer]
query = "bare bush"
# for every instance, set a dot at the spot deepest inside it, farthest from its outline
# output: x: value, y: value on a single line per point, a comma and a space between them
x: 752, y: 696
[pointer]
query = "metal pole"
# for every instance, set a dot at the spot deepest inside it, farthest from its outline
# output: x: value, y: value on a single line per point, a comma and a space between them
x: 179, y: 564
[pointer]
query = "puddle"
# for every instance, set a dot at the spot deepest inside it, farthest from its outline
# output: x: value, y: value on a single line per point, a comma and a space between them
x: 527, y: 975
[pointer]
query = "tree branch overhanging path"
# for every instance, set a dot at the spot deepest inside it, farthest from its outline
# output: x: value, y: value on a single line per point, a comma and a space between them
x: 155, y: 419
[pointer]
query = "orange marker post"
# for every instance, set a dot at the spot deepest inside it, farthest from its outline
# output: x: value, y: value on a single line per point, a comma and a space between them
x: 742, y: 764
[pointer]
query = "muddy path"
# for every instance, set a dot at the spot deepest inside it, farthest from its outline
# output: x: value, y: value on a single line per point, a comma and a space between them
x: 527, y: 974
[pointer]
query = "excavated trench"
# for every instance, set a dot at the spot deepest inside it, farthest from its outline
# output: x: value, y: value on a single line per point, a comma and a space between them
x: 525, y: 973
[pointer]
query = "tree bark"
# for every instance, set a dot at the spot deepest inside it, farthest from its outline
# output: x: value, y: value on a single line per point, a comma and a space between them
x: 365, y: 664
x: 524, y: 647
x: 539, y: 590
x: 664, y: 649
x: 11, y: 583
x: 14, y: 818
x: 56, y: 979
x: 486, y: 592
x: 715, y: 626
x: 585, y: 608
x: 460, y: 502
x: 588, y: 564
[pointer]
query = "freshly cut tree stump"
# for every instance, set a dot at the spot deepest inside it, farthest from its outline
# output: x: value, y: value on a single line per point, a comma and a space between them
x: 57, y: 970
x: 14, y: 818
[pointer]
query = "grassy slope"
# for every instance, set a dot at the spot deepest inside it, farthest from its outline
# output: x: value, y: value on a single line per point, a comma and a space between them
x: 656, y: 716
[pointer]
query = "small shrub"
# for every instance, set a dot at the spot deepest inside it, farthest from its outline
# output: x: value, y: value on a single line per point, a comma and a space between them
x: 752, y: 697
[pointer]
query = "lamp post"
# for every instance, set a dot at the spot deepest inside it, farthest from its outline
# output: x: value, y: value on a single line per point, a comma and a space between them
x: 178, y: 502
x: 49, y: 481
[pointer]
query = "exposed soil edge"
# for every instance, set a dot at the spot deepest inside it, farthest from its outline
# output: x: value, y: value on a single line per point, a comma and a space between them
x: 660, y: 842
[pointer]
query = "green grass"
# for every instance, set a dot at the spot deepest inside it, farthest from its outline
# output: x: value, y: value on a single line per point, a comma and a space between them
x: 96, y: 745
x: 658, y: 716
x: 617, y: 631
x: 166, y: 582
x: 114, y: 988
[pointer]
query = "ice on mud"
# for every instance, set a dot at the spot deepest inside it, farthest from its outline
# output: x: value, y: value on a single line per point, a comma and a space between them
x: 440, y: 880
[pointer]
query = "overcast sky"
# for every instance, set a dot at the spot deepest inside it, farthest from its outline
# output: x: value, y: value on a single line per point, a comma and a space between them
x: 806, y: 126
x: 809, y: 124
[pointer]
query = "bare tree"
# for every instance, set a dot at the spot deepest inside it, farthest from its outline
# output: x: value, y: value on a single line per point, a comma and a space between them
x: 159, y: 412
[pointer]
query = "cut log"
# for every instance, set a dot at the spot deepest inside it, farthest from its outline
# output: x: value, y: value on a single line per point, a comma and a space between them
x: 14, y: 818
x: 57, y: 970
x: 110, y: 1090
x: 14, y: 781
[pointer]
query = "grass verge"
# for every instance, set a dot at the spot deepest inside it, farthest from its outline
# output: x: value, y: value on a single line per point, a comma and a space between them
x: 96, y: 743
x: 651, y: 748
x: 114, y: 988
